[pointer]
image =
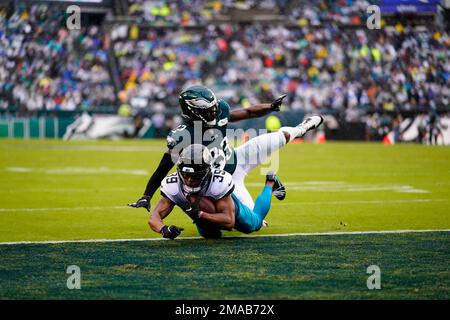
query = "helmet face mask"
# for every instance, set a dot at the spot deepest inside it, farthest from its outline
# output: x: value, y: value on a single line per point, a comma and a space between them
x: 208, y: 116
x: 194, y: 182
x: 194, y: 168
x: 199, y: 103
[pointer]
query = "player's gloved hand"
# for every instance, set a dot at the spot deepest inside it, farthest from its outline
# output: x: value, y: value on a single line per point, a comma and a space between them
x: 193, y: 210
x: 276, y: 104
x: 171, y: 232
x: 143, y: 202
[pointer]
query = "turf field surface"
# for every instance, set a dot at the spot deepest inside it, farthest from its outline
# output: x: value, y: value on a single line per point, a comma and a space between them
x: 78, y: 190
x: 412, y: 265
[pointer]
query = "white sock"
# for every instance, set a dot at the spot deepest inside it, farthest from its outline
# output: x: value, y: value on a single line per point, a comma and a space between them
x: 294, y: 132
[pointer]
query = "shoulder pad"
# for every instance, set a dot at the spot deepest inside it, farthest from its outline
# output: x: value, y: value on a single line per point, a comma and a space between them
x: 224, y: 106
x: 224, y: 113
x: 177, y: 135
x: 171, y: 142
x: 221, y: 185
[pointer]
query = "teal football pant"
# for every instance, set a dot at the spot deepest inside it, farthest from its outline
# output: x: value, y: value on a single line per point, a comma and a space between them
x: 246, y: 220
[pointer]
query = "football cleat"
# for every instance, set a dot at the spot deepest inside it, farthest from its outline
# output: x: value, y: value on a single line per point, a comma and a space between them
x: 309, y: 124
x: 278, y: 190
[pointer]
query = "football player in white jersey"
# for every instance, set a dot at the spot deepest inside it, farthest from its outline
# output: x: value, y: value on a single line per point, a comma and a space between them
x: 196, y: 177
x: 200, y: 106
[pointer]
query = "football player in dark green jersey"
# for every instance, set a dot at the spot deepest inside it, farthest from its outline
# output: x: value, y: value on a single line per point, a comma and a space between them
x: 205, y: 120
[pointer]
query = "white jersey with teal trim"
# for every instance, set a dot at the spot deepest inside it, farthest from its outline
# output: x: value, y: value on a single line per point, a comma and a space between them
x: 220, y: 185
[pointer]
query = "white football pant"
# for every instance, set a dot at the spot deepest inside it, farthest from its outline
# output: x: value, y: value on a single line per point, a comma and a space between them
x: 250, y: 155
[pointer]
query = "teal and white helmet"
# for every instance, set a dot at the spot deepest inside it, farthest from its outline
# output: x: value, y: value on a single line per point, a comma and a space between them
x: 199, y: 103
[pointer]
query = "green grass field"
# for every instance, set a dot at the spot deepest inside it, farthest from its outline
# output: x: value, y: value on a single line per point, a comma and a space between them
x: 55, y: 190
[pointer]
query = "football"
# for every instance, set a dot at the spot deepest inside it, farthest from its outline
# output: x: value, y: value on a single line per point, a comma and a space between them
x: 205, y: 204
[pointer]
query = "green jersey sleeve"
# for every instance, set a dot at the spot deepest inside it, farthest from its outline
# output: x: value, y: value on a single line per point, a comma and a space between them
x: 177, y: 135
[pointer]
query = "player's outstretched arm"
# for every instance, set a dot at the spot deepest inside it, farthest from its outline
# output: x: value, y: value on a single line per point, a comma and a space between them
x: 256, y: 111
x: 224, y: 215
x: 165, y: 165
x: 162, y: 209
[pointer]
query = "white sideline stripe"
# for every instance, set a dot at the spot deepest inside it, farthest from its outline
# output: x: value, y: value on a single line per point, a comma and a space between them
x: 78, y: 170
x: 96, y: 148
x: 340, y: 186
x: 304, y: 234
x: 360, y: 202
x: 60, y: 209
x: 277, y: 204
x: 99, y: 190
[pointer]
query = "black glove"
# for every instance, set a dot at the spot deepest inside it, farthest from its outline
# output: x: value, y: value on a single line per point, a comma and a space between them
x: 276, y: 105
x: 143, y: 202
x: 171, y: 232
x: 193, y: 210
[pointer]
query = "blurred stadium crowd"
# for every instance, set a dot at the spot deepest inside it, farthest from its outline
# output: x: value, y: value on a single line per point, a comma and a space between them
x: 319, y: 52
x: 202, y: 12
x: 319, y: 68
x: 44, y: 66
